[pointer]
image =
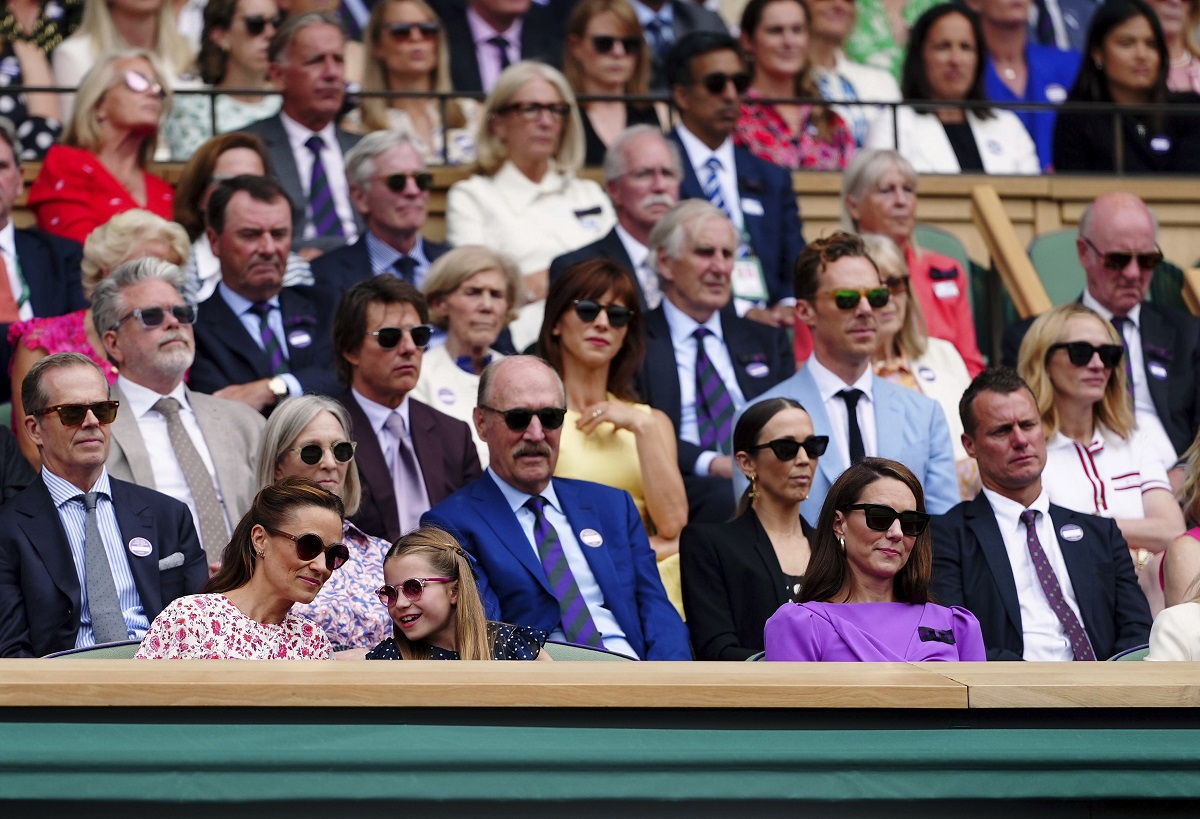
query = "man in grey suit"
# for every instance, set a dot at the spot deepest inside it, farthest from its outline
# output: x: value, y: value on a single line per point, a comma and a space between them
x: 205, y: 448
x: 303, y: 143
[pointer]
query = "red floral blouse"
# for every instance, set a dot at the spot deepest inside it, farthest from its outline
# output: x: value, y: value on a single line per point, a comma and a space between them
x: 763, y: 132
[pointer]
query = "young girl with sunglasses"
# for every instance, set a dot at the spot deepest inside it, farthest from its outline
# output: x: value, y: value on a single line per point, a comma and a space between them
x: 437, y: 614
x: 281, y: 554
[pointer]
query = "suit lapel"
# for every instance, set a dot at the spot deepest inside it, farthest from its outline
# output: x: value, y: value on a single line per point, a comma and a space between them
x: 981, y: 520
x: 128, y: 442
x: 33, y: 255
x: 221, y: 327
x: 41, y: 524
x: 690, y: 188
x: 1158, y: 343
x: 299, y: 322
x: 493, y: 507
x: 743, y: 351
x: 889, y: 421
x: 750, y: 186
x: 134, y: 519
x: 582, y: 516
x: 371, y: 464
x: 1080, y: 558
x: 283, y: 164
x: 429, y: 448
x: 753, y: 531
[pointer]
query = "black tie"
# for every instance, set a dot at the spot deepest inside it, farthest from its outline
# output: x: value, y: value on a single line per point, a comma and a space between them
x: 501, y: 45
x: 857, y: 452
x: 406, y: 268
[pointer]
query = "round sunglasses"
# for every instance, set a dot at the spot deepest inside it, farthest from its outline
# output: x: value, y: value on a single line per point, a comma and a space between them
x: 72, y: 415
x: 1081, y: 352
x: 389, y: 337
x: 412, y: 589
x: 518, y: 420
x: 588, y: 311
x: 309, y: 546
x: 786, y: 449
x: 880, y: 518
x: 151, y: 317
x: 847, y: 298
x: 312, y: 454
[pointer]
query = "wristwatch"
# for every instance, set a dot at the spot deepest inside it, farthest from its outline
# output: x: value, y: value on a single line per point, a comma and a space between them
x: 278, y: 387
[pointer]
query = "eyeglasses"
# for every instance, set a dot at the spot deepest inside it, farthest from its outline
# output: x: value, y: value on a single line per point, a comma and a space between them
x: 848, y: 298
x: 880, y: 518
x: 897, y: 285
x: 312, y: 454
x: 309, y: 546
x: 532, y: 110
x: 1119, y: 261
x: 139, y: 83
x: 603, y: 43
x: 389, y: 337
x: 256, y: 24
x: 518, y: 419
x: 588, y: 311
x: 1080, y: 353
x: 404, y: 31
x: 72, y: 415
x: 411, y: 589
x: 151, y: 317
x: 397, y: 182
x: 786, y: 449
x: 716, y: 82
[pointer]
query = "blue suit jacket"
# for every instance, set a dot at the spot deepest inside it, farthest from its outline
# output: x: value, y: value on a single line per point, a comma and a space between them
x: 513, y: 584
x: 910, y: 428
x: 775, y: 231
x: 39, y: 587
x: 971, y: 569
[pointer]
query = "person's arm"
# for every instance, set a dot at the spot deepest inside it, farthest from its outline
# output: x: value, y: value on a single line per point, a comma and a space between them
x: 941, y: 475
x: 706, y: 598
x: 792, y: 635
x: 15, y: 472
x: 665, y: 635
x: 23, y: 359
x: 1131, y: 612
x: 14, y: 625
x: 1161, y: 525
x: 1181, y: 570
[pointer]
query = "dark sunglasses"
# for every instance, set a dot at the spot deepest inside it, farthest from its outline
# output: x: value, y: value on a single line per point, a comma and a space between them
x: 1119, y: 261
x: 256, y: 24
x: 880, y: 518
x: 312, y: 454
x: 309, y: 546
x: 404, y: 31
x: 848, y: 298
x: 588, y: 311
x: 397, y: 182
x: 532, y: 110
x: 518, y: 419
x: 411, y: 589
x: 786, y: 449
x: 389, y: 337
x: 151, y: 317
x: 72, y: 415
x: 1081, y: 352
x: 139, y: 83
x: 897, y: 285
x: 603, y: 43
x: 715, y: 82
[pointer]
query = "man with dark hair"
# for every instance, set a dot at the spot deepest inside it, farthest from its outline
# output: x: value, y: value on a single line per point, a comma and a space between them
x: 666, y: 22
x: 410, y: 456
x: 1045, y: 583
x: 259, y: 341
x: 487, y: 36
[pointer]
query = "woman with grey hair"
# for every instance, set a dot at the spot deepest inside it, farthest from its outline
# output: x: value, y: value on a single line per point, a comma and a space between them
x: 309, y: 436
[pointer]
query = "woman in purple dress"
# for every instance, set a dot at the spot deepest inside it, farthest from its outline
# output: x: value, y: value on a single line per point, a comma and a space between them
x: 866, y: 591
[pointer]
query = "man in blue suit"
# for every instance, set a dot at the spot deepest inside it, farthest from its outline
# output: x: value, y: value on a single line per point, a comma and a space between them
x: 707, y: 76
x: 838, y: 289
x: 568, y: 557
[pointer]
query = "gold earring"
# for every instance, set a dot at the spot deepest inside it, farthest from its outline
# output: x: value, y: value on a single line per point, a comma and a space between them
x: 753, y: 488
x: 842, y: 544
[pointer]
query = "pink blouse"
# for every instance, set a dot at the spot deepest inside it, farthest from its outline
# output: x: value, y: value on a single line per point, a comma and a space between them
x: 210, y: 627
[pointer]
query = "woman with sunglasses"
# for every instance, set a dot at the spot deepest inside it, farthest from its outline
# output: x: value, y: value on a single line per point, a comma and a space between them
x: 736, y: 574
x: 1098, y: 460
x: 865, y: 596
x: 429, y: 590
x: 309, y: 437
x: 281, y: 554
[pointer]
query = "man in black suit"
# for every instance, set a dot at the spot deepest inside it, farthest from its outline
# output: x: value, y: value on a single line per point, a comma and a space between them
x: 1045, y: 583
x: 487, y: 36
x: 304, y: 145
x: 1118, y: 248
x: 257, y: 341
x: 641, y: 172
x: 694, y: 338
x: 665, y: 23
x: 85, y: 558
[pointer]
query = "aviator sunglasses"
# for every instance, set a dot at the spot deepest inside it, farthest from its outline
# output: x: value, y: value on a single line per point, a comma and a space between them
x: 397, y: 182
x: 389, y: 337
x: 312, y: 454
x: 72, y: 415
x: 151, y: 317
x: 786, y: 449
x: 256, y: 24
x: 518, y: 420
x: 1119, y: 261
x: 1081, y: 352
x: 411, y: 589
x: 589, y: 309
x: 308, y: 546
x: 847, y: 298
x: 603, y: 43
x: 880, y: 518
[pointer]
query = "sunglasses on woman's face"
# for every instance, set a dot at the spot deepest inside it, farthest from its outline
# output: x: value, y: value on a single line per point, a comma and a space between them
x: 786, y: 449
x: 603, y: 44
x: 847, y: 298
x: 72, y: 415
x: 588, y: 311
x: 518, y: 420
x: 404, y: 31
x: 412, y: 589
x: 389, y: 337
x: 309, y: 546
x: 312, y: 454
x: 256, y: 24
x: 1080, y: 353
x: 880, y: 518
x: 139, y: 83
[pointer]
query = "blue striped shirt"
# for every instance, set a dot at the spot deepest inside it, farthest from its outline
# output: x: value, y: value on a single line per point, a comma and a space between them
x: 69, y: 502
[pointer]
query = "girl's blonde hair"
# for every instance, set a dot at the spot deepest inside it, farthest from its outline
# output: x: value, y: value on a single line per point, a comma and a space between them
x: 170, y: 46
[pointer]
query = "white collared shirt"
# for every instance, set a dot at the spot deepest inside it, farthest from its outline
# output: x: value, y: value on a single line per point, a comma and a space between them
x: 1109, y: 476
x: 829, y: 385
x: 16, y: 281
x: 335, y: 171
x: 486, y: 54
x: 1042, y: 634
x: 698, y: 154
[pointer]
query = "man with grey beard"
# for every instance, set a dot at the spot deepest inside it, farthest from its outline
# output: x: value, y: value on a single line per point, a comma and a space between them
x: 191, y: 446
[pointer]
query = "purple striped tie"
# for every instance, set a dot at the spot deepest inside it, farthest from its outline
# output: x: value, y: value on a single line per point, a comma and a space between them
x: 576, y: 619
x: 1080, y: 645
x: 320, y: 195
x: 714, y: 407
x: 270, y: 343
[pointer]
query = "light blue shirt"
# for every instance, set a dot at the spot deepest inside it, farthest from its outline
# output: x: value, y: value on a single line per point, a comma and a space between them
x: 240, y: 305
x: 383, y: 256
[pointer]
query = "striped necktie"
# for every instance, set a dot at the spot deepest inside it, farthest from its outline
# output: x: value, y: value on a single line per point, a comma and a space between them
x: 270, y: 344
x: 577, y: 621
x: 1119, y: 322
x: 1081, y: 647
x: 714, y: 407
x: 712, y: 186
x: 320, y: 195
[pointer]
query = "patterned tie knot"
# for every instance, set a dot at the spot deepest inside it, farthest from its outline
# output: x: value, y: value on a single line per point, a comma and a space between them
x: 395, y: 425
x: 315, y: 144
x: 1029, y: 518
x: 89, y: 500
x: 713, y: 164
x: 167, y: 407
x: 261, y: 309
x: 499, y: 42
x: 701, y: 333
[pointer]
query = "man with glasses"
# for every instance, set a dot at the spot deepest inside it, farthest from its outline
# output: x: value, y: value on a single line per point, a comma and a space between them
x: 1045, y: 583
x: 707, y: 78
x: 85, y: 558
x: 410, y: 456
x: 204, y: 448
x: 838, y: 290
x: 566, y: 556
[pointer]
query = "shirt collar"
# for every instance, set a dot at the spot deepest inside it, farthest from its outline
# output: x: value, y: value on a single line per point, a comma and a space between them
x: 829, y: 384
x: 522, y: 191
x: 8, y: 239
x: 645, y: 14
x: 383, y: 255
x: 298, y: 134
x: 1089, y: 300
x: 481, y: 32
x: 682, y: 325
x: 1008, y: 511
x: 378, y: 414
x: 62, y: 490
x: 698, y: 153
x: 140, y: 400
x: 238, y: 303
x: 636, y: 250
x: 516, y: 498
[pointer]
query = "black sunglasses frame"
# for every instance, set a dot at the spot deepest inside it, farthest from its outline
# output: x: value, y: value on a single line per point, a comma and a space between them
x: 604, y: 43
x: 312, y: 454
x: 1117, y: 262
x: 336, y: 554
x: 588, y: 311
x: 397, y: 182
x: 716, y: 82
x: 786, y: 449
x: 912, y: 522
x: 530, y: 111
x: 256, y: 24
x: 404, y: 31
x: 389, y: 338
x: 1080, y: 353
x: 67, y: 412
x: 518, y: 420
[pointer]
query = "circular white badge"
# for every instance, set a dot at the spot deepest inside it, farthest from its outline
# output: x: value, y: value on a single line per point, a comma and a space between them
x: 1055, y: 93
x: 299, y: 338
x: 927, y: 373
x: 1157, y: 370
x: 1071, y: 532
x: 590, y: 537
x: 446, y: 395
x: 140, y: 547
x: 757, y: 369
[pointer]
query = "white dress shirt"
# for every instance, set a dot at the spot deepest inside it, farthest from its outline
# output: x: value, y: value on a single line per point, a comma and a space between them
x: 335, y: 172
x: 486, y: 54
x: 829, y: 385
x: 16, y: 279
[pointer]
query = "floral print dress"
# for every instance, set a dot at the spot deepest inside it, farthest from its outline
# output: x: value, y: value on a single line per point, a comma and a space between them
x: 210, y: 627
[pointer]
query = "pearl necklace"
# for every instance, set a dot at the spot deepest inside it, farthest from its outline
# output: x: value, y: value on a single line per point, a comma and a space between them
x: 1180, y: 62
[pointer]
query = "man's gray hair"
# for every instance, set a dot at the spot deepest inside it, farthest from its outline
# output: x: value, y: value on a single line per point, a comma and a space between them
x: 277, y: 50
x: 360, y: 160
x: 615, y: 164
x: 677, y: 225
x: 107, y: 305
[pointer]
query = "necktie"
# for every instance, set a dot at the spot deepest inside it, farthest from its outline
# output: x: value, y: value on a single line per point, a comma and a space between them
x: 214, y: 534
x: 412, y: 500
x: 10, y: 311
x: 108, y: 621
x: 406, y: 268
x: 1119, y: 322
x: 714, y: 407
x: 320, y: 195
x: 658, y: 30
x: 270, y: 343
x: 857, y: 451
x: 576, y: 619
x: 1080, y: 645
x: 649, y: 281
x: 501, y: 45
x: 1045, y: 24
x: 712, y: 186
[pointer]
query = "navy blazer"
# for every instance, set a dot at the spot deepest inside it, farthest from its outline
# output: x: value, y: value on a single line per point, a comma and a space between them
x: 444, y: 448
x: 39, y: 587
x: 608, y: 247
x: 227, y: 354
x: 687, y: 17
x: 542, y: 37
x: 513, y: 583
x: 762, y: 357
x: 338, y: 270
x: 776, y: 232
x: 971, y: 569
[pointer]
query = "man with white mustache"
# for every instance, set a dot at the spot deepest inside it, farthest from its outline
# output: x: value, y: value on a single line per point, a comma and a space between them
x: 204, y: 448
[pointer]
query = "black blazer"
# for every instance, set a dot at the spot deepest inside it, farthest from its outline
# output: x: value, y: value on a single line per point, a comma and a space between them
x: 971, y: 569
x: 608, y: 247
x: 338, y: 270
x: 39, y: 587
x: 688, y: 17
x: 732, y: 584
x: 542, y: 37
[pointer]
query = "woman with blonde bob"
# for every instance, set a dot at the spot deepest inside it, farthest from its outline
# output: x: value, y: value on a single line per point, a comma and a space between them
x: 1098, y: 461
x: 436, y: 610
